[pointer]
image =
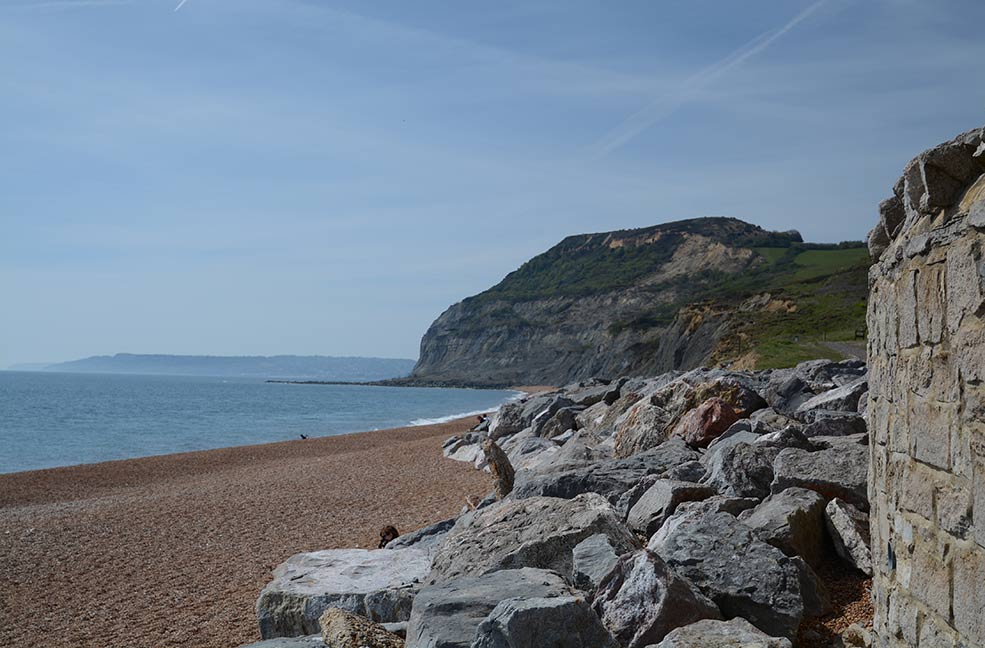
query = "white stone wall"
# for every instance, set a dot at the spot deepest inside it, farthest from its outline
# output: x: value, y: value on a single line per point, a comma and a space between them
x: 927, y: 402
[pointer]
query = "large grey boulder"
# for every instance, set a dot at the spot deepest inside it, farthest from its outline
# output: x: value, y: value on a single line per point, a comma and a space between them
x: 742, y: 470
x: 535, y: 532
x: 735, y: 633
x: 642, y: 599
x: 659, y: 502
x: 843, y: 424
x: 592, y: 559
x: 742, y: 574
x: 379, y: 585
x: 447, y: 615
x: 561, y: 622
x: 793, y: 522
x: 843, y: 399
x: 840, y: 471
x: 611, y: 478
x: 849, y: 529
x: 507, y: 420
x: 427, y: 539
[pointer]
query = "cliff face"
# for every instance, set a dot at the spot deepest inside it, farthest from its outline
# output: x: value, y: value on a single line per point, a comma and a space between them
x: 619, y: 303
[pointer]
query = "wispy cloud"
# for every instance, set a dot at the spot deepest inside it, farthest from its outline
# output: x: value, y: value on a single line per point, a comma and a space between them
x: 668, y: 103
x: 180, y: 4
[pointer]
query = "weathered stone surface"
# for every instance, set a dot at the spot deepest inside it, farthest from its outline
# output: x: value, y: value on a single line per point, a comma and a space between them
x: 743, y: 575
x: 508, y: 419
x: 849, y: 530
x: 690, y: 471
x: 379, y: 585
x: 560, y: 622
x: 743, y: 470
x: 788, y: 437
x: 846, y: 425
x: 611, y: 479
x: 341, y: 629
x: 428, y: 539
x: 447, y: 615
x: 642, y: 599
x: 718, y: 504
x: 736, y: 633
x: 659, y: 502
x: 926, y: 352
x: 706, y: 422
x: 536, y: 532
x: 592, y: 559
x: 793, y: 522
x: 842, y: 399
x: 837, y: 472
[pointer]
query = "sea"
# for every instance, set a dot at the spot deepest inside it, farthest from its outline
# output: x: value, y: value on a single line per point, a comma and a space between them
x: 62, y: 419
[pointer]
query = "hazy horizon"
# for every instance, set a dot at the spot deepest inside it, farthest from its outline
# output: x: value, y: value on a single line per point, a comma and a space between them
x: 290, y: 178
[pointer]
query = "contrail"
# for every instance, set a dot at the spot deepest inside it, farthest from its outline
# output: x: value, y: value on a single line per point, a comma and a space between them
x: 180, y: 5
x: 667, y: 104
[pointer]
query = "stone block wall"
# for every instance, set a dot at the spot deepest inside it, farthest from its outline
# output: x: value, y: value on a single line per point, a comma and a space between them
x: 927, y: 401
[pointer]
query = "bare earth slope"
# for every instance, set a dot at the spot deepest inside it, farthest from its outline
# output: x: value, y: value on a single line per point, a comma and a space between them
x: 173, y: 550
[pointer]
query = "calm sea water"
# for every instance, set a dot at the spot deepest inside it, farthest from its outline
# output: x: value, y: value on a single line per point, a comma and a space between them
x: 49, y: 419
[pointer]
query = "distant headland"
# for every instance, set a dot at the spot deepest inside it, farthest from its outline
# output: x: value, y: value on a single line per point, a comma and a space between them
x: 326, y: 368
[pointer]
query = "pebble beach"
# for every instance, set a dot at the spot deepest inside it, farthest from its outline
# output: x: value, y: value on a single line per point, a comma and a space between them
x: 173, y: 550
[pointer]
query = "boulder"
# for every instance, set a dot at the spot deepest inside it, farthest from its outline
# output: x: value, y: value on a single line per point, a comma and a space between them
x: 428, y: 539
x: 649, y: 422
x: 771, y: 418
x: 379, y: 585
x: 689, y: 471
x: 659, y: 502
x: 744, y: 431
x: 786, y: 391
x: 735, y: 633
x: 817, y: 601
x: 835, y: 426
x: 706, y: 422
x: 536, y: 532
x: 842, y: 399
x: 341, y: 629
x: 840, y: 471
x: 742, y: 574
x: 588, y: 395
x: 562, y: 421
x: 611, y: 478
x: 849, y: 529
x: 788, y: 437
x: 742, y: 470
x: 560, y: 622
x: 642, y: 599
x: 447, y: 615
x: 718, y: 504
x: 793, y: 522
x: 592, y: 559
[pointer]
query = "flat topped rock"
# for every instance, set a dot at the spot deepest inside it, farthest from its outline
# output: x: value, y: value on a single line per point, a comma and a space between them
x: 447, y: 615
x: 378, y: 584
x: 539, y: 532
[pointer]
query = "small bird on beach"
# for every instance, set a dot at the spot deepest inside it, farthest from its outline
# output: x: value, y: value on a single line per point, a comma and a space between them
x: 304, y: 436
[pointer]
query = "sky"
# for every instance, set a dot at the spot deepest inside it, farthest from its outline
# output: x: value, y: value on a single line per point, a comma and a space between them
x: 257, y: 177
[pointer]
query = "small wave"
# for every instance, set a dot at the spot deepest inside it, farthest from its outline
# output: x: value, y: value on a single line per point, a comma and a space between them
x: 451, y: 417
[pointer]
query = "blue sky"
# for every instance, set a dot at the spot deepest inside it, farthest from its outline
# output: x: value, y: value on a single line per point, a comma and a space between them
x: 293, y: 176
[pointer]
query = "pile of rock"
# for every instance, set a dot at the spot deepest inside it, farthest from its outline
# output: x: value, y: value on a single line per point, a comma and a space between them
x: 684, y: 510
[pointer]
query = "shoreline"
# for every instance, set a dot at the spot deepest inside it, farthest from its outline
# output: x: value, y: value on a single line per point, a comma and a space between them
x: 172, y: 550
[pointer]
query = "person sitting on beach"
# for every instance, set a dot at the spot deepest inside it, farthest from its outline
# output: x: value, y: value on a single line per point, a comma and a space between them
x: 388, y: 533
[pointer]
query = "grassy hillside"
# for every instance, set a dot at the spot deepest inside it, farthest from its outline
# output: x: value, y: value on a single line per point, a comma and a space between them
x: 825, y: 291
